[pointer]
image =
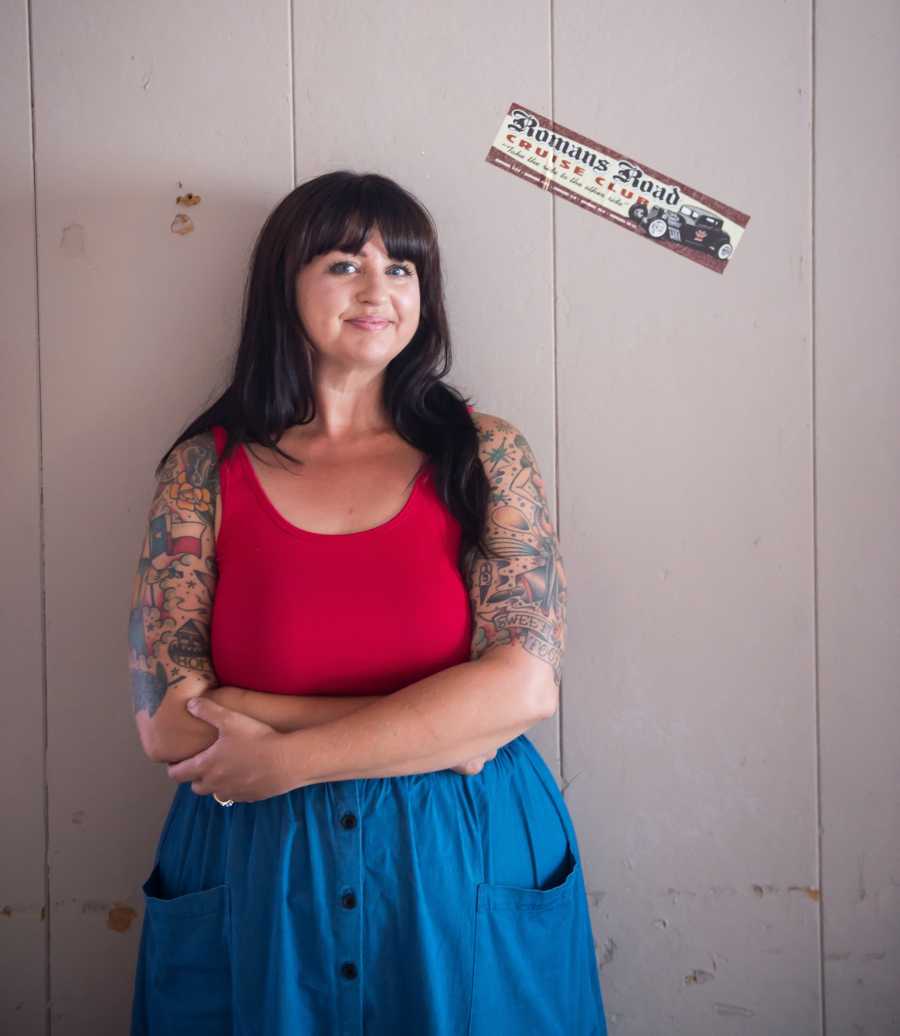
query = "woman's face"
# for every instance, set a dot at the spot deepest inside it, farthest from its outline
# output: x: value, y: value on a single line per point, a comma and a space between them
x: 336, y: 288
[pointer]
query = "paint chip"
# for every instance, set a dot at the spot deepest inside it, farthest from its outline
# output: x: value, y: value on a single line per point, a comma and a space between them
x: 697, y: 976
x: 120, y: 918
x: 182, y: 224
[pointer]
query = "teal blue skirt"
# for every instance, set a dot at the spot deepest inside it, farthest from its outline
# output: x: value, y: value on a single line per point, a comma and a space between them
x: 429, y: 904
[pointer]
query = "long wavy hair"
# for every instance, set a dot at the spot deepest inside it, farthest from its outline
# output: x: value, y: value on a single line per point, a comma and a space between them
x: 271, y: 386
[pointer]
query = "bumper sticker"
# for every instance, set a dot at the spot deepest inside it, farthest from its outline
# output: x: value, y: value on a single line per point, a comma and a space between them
x: 629, y: 193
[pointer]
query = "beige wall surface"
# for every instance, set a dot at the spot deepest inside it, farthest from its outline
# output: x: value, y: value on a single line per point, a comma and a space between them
x: 722, y: 452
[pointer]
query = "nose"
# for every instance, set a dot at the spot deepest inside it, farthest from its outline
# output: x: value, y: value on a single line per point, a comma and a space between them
x: 373, y: 286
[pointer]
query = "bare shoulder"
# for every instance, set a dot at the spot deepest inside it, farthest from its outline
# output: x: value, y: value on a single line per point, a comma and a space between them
x: 503, y: 445
x: 189, y: 481
x: 193, y: 462
x: 491, y: 425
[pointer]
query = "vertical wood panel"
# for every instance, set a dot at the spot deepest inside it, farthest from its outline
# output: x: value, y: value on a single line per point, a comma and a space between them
x: 686, y: 489
x: 135, y: 104
x: 23, y: 902
x: 857, y: 156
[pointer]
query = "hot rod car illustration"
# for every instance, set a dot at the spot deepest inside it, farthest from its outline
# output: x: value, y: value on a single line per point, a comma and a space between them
x: 690, y: 225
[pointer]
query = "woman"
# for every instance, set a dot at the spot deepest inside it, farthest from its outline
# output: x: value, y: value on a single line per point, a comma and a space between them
x: 356, y: 578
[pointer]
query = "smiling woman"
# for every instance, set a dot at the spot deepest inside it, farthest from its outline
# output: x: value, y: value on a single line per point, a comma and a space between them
x: 370, y: 294
x: 387, y: 552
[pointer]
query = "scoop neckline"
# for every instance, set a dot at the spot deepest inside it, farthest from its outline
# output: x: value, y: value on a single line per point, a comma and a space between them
x: 280, y: 520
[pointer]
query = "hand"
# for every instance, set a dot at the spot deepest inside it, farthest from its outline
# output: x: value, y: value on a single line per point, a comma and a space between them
x: 474, y: 766
x: 246, y: 763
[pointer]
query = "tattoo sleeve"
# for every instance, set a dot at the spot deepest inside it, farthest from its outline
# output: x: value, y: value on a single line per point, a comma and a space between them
x: 172, y: 593
x: 518, y: 590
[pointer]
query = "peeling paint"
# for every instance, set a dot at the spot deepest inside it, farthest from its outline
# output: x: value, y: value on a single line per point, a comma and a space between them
x: 808, y: 890
x: 72, y: 242
x: 188, y: 199
x: 94, y: 906
x: 28, y: 910
x: 697, y: 977
x: 606, y: 952
x: 182, y: 224
x: 733, y: 1009
x: 761, y: 890
x: 120, y: 918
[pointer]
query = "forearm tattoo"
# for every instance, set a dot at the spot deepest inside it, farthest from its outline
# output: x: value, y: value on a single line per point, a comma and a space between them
x: 173, y: 588
x: 518, y: 590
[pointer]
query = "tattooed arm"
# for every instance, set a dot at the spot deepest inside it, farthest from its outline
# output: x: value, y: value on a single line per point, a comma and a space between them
x: 171, y: 603
x: 517, y: 589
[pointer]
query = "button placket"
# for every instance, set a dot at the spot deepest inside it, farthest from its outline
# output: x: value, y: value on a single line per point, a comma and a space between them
x: 348, y: 917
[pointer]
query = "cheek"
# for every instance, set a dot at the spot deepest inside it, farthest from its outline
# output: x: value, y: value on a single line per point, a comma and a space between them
x: 411, y: 309
x: 322, y: 303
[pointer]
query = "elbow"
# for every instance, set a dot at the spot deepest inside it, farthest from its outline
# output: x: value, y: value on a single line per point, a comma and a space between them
x: 533, y: 675
x: 152, y: 749
x: 150, y: 736
x: 146, y: 734
x: 548, y: 701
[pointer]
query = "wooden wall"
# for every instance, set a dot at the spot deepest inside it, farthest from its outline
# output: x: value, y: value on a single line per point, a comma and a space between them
x: 721, y: 451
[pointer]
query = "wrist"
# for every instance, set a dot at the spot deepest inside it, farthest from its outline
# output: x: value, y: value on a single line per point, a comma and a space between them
x: 293, y: 749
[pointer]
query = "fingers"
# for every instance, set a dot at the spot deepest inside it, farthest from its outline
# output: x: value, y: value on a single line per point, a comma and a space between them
x: 474, y: 766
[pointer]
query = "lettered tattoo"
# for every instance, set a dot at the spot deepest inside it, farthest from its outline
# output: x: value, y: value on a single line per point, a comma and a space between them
x: 171, y: 599
x: 518, y: 590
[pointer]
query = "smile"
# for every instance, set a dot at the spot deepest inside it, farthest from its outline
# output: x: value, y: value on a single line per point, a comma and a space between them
x: 370, y: 325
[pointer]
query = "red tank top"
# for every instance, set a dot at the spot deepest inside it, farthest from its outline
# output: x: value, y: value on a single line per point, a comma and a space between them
x: 299, y: 612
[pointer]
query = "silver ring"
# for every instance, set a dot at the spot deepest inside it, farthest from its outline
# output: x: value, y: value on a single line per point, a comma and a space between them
x: 227, y: 802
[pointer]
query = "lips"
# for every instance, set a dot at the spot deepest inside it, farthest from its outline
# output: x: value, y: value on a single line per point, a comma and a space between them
x: 370, y: 325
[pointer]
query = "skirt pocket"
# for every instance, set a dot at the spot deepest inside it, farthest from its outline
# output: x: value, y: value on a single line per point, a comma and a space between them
x: 532, y: 969
x: 188, y: 960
